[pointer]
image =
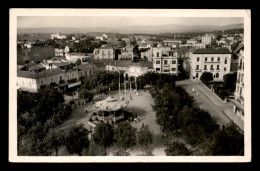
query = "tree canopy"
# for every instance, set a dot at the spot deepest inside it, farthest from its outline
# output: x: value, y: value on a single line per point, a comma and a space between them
x: 125, y: 135
x: 77, y: 139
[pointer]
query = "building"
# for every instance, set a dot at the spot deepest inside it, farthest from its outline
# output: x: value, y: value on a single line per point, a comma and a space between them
x: 126, y: 53
x: 86, y: 70
x: 165, y: 61
x: 31, y: 82
x: 59, y: 52
x: 191, y: 41
x: 216, y: 61
x: 239, y: 92
x: 106, y: 52
x: 139, y: 69
x: 148, y: 54
x: 73, y: 57
x: 58, y: 36
x: 206, y: 39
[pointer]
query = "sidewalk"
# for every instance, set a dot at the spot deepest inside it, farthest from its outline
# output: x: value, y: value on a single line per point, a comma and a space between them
x: 212, y: 97
x: 236, y: 119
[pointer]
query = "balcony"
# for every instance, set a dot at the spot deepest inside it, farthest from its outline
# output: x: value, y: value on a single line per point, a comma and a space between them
x: 198, y: 70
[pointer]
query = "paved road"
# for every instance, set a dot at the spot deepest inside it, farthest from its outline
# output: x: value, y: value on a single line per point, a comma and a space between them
x: 205, y: 103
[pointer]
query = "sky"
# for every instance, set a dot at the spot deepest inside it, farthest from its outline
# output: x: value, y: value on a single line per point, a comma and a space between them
x: 114, y: 21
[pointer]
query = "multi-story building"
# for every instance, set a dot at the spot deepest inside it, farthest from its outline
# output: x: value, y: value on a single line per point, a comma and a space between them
x: 206, y: 39
x: 239, y: 92
x: 215, y: 61
x: 64, y: 76
x: 165, y: 61
x: 58, y: 36
x: 106, y: 52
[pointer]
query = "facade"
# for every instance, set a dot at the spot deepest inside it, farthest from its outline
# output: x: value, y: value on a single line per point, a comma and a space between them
x: 206, y: 39
x: 126, y: 53
x: 239, y: 92
x: 165, y: 61
x: 216, y: 61
x: 148, y: 54
x: 59, y: 52
x: 73, y: 57
x: 106, y: 52
x: 192, y: 41
x: 58, y: 36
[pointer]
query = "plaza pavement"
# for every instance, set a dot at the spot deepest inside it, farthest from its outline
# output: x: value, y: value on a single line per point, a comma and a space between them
x: 140, y: 104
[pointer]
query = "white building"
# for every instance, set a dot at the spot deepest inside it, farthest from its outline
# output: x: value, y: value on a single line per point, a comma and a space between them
x: 165, y: 61
x: 58, y: 36
x: 192, y: 41
x: 239, y: 92
x: 216, y: 61
x: 206, y: 39
x: 106, y: 52
x: 73, y: 57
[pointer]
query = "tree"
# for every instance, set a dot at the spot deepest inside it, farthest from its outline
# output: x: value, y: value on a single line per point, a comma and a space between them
x: 228, y: 141
x: 77, y: 139
x: 145, y: 136
x: 55, y: 139
x: 230, y: 80
x: 206, y: 77
x: 125, y: 135
x: 177, y: 149
x: 104, y: 135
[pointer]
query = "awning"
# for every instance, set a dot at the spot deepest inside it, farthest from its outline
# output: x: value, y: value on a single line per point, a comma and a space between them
x: 74, y: 84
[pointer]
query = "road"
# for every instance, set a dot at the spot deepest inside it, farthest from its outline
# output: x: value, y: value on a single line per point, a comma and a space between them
x: 205, y: 103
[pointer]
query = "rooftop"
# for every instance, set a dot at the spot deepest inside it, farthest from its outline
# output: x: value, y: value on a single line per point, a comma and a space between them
x: 45, y: 73
x: 86, y: 66
x: 212, y: 51
x: 35, y: 67
x: 61, y: 64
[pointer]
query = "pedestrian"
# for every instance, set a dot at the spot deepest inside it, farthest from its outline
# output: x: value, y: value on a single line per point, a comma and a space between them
x: 138, y: 118
x: 130, y: 97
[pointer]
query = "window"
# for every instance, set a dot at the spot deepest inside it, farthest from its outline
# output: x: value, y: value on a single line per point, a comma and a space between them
x: 165, y: 62
x: 218, y: 58
x: 205, y: 67
x: 240, y: 91
x: 211, y: 67
x: 157, y: 69
x: 157, y: 62
x: 225, y: 60
x: 166, y: 70
x: 197, y: 75
x: 212, y: 59
x: 206, y: 59
x: 174, y: 62
x: 173, y: 69
x: 217, y: 67
x: 225, y: 68
x: 217, y: 75
x: 198, y: 59
x: 197, y: 67
x: 157, y: 54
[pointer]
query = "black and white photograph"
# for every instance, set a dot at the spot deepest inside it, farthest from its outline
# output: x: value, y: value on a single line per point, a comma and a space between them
x: 132, y: 85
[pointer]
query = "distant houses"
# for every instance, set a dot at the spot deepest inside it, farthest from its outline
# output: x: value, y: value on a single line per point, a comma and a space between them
x: 58, y: 36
